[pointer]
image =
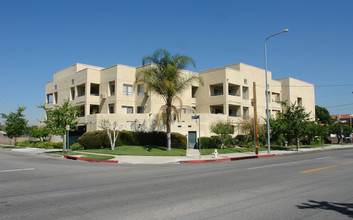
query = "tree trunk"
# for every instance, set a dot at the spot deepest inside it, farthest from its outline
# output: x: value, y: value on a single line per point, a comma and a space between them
x: 169, y: 121
x: 64, y: 142
x: 15, y: 141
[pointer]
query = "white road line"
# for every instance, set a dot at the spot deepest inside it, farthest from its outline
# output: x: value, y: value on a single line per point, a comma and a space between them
x: 7, y: 171
x: 285, y: 164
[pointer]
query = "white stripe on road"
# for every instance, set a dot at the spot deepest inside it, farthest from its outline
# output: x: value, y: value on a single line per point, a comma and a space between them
x: 284, y: 164
x: 7, y: 171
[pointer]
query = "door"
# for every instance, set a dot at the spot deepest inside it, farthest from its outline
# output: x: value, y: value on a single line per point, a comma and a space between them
x: 191, y: 139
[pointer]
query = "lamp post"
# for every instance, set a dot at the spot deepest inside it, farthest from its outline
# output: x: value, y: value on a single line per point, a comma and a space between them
x: 267, y: 111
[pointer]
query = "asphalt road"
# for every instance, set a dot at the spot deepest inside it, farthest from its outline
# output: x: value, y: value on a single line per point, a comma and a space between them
x: 307, y: 186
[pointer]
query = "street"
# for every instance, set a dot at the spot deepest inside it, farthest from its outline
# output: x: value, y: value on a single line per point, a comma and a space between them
x: 303, y: 186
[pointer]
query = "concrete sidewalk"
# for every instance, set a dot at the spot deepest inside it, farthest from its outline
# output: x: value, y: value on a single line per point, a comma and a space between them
x: 203, y: 159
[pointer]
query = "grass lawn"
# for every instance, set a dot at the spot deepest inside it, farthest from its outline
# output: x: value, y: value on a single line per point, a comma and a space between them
x: 139, y: 150
x: 11, y: 147
x: 98, y: 157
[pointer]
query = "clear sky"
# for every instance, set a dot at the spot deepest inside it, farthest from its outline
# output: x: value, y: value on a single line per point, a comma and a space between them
x: 38, y: 38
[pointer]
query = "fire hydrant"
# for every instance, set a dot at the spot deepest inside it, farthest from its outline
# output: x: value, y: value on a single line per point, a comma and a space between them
x: 215, y: 153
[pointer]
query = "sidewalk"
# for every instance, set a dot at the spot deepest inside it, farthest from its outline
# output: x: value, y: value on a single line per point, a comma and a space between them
x: 203, y: 159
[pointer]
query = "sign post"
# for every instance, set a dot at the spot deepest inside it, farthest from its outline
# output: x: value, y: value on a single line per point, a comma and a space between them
x: 67, y: 137
x: 198, y: 117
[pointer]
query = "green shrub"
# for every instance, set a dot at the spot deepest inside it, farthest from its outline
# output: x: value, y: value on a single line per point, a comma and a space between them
x: 179, y: 141
x: 94, y: 140
x: 152, y: 138
x: 25, y: 143
x: 212, y: 142
x: 45, y: 145
x: 57, y: 145
x: 76, y: 146
x: 127, y: 137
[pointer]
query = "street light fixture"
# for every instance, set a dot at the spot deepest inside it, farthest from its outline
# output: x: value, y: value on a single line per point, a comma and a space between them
x: 268, y: 115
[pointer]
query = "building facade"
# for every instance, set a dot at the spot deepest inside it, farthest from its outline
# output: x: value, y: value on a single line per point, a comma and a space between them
x: 227, y: 95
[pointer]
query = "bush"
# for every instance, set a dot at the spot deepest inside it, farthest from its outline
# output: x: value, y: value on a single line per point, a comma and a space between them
x: 76, y: 146
x: 152, y: 138
x: 127, y: 137
x: 45, y: 145
x: 41, y: 144
x: 212, y: 142
x: 94, y: 140
x: 179, y: 141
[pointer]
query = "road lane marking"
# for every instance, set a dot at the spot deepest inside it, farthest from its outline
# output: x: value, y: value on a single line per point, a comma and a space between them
x: 15, y: 170
x: 323, y: 168
x: 284, y: 164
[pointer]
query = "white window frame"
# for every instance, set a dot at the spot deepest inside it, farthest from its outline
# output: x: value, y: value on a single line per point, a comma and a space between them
x: 127, y: 90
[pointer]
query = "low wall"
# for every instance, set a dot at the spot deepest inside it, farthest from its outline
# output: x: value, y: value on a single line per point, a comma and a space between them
x: 11, y: 141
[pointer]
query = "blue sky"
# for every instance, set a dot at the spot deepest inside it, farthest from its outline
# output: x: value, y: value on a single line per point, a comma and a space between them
x: 38, y: 38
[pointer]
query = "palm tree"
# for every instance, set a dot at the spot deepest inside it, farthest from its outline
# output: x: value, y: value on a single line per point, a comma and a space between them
x: 165, y: 78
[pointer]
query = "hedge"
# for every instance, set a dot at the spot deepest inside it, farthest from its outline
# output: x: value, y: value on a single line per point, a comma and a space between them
x: 40, y: 144
x: 99, y: 139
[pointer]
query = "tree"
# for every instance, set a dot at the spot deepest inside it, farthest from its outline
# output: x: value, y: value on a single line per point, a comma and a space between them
x: 291, y: 122
x: 246, y: 126
x: 60, y: 116
x: 39, y: 132
x: 322, y: 115
x: 340, y: 130
x: 223, y: 130
x: 15, y: 123
x: 112, y: 131
x: 164, y: 77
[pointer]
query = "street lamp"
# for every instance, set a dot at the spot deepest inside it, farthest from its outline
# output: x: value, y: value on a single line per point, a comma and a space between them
x: 268, y: 115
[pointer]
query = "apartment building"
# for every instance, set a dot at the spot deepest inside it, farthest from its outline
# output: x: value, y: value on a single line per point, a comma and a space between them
x: 227, y: 95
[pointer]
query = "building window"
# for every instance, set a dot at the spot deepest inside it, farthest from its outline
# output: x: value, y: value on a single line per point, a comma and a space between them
x: 127, y: 109
x: 193, y: 91
x: 55, y: 87
x: 245, y: 82
x: 73, y: 93
x: 127, y: 90
x: 49, y: 98
x: 140, y: 109
x: 245, y: 112
x: 141, y: 90
x: 81, y: 90
x: 94, y: 109
x: 245, y: 93
x: 94, y: 89
x: 112, y: 88
x: 111, y: 108
x: 300, y: 101
x: 72, y: 81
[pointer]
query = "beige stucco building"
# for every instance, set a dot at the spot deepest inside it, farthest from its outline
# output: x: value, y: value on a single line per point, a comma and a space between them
x: 227, y: 95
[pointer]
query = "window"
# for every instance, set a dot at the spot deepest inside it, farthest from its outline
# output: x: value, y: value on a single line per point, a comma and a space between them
x: 81, y: 90
x: 127, y: 90
x: 111, y: 108
x: 245, y: 93
x: 245, y: 82
x: 193, y: 91
x: 94, y: 89
x: 245, y: 112
x: 49, y: 98
x: 141, y: 90
x: 55, y: 87
x: 140, y: 109
x: 73, y: 93
x: 127, y: 110
x: 72, y: 81
x: 112, y: 88
x: 300, y: 101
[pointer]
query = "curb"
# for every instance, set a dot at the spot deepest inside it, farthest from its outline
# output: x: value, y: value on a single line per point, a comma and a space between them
x: 89, y: 160
x: 227, y: 159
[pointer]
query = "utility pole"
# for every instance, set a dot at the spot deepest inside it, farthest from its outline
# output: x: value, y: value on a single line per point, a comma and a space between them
x: 255, y: 121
